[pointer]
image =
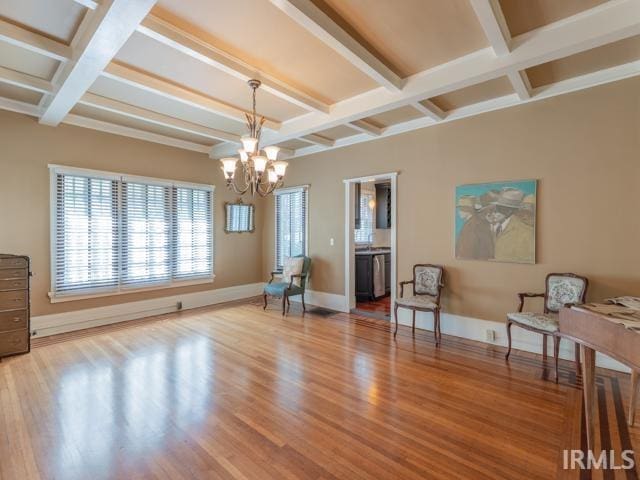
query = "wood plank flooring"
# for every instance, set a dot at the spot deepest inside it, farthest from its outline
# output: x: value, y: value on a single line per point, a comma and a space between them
x: 235, y: 392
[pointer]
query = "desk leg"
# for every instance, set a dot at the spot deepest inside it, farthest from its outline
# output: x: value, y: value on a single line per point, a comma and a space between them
x: 589, y: 389
x: 635, y: 376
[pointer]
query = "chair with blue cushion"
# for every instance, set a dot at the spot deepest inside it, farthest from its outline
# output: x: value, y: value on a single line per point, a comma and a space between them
x: 290, y: 284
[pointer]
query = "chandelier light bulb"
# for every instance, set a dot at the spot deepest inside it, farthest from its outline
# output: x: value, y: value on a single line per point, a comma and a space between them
x: 273, y: 176
x: 272, y: 152
x: 243, y: 155
x: 249, y: 143
x: 259, y: 163
x: 280, y: 167
x: 229, y: 166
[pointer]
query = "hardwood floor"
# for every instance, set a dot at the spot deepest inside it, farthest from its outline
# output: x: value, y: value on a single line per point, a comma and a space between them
x: 381, y: 306
x: 235, y: 392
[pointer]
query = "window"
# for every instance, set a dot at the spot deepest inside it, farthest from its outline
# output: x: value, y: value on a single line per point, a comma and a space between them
x: 363, y: 234
x: 291, y: 223
x: 113, y: 233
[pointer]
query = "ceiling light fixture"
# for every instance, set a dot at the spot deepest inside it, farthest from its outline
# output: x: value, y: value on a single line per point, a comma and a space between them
x: 257, y: 173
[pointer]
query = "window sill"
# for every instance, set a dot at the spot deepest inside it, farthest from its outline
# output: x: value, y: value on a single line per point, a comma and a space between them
x: 53, y: 298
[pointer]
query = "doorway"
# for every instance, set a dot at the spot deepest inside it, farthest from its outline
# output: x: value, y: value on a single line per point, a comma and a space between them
x: 370, y: 244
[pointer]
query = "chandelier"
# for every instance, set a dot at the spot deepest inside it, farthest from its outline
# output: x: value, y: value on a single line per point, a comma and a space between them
x: 256, y: 173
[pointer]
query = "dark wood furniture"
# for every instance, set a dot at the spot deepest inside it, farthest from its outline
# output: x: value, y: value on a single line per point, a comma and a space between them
x: 547, y: 323
x: 383, y: 205
x: 364, y: 275
x: 427, y: 284
x: 14, y: 305
x: 597, y: 332
x: 357, y: 217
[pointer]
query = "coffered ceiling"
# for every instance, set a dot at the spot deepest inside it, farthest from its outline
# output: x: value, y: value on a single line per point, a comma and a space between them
x: 334, y: 72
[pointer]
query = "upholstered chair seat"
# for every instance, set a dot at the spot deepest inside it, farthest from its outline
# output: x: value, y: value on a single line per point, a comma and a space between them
x: 561, y: 289
x: 547, y: 322
x: 278, y: 289
x: 421, y: 301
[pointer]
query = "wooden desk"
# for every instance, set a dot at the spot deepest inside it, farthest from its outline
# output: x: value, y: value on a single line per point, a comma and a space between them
x: 596, y: 332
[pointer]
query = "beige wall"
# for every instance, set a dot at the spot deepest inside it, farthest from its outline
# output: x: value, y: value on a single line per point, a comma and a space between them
x: 27, y: 149
x: 583, y: 148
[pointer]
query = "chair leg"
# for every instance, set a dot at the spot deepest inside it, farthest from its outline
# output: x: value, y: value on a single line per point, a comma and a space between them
x: 508, y: 339
x: 556, y: 353
x: 578, y: 370
x: 288, y: 304
x: 304, y: 307
x: 284, y: 304
x: 413, y: 322
x: 544, y: 347
x: 635, y: 376
x: 265, y: 301
x: 436, y: 327
x: 439, y: 327
x: 395, y: 315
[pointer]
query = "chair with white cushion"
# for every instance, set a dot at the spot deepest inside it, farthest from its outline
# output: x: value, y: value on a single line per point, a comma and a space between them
x: 561, y: 289
x: 427, y: 282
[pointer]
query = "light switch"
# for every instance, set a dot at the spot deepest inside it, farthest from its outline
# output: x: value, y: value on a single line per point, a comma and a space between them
x: 331, y: 242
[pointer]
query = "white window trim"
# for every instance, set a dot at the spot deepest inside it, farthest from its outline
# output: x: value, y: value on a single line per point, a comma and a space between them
x: 55, y: 169
x: 280, y: 191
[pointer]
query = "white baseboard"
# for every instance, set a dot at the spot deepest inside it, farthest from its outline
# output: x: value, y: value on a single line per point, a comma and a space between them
x: 45, y: 325
x: 456, y: 325
x: 476, y: 329
x: 331, y: 301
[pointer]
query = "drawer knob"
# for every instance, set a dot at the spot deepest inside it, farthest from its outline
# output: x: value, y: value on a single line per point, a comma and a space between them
x: 15, y: 341
x: 16, y: 319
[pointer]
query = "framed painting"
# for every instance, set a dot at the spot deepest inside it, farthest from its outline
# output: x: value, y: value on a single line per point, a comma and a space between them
x: 496, y: 221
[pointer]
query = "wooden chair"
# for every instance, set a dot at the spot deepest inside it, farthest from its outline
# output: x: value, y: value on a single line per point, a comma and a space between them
x: 561, y: 289
x: 288, y: 287
x: 427, y: 283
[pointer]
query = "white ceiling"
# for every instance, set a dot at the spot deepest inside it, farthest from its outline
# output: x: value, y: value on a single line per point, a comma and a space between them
x: 334, y: 72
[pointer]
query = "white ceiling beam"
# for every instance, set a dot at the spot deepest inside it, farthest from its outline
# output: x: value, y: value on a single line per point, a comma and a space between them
x: 495, y: 27
x: 34, y: 42
x: 318, y: 140
x: 147, y: 116
x: 604, y: 24
x: 80, y: 121
x: 90, y: 4
x: 429, y: 109
x: 91, y: 123
x: 23, y: 80
x: 520, y: 83
x: 494, y: 24
x: 185, y: 43
x: 108, y: 28
x: 157, y: 86
x: 366, y: 127
x: 582, y: 82
x: 319, y: 24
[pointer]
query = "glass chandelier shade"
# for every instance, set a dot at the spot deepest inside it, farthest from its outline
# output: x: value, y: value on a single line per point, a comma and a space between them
x: 248, y: 175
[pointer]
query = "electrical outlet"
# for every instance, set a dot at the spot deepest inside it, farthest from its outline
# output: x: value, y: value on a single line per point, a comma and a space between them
x: 179, y: 305
x: 490, y: 335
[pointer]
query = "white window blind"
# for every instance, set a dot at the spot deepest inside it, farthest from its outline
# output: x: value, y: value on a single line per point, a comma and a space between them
x: 362, y: 234
x: 291, y: 224
x: 86, y: 253
x: 114, y: 233
x: 193, y: 240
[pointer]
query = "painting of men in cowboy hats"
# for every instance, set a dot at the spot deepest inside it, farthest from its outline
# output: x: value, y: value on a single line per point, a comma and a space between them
x: 496, y: 221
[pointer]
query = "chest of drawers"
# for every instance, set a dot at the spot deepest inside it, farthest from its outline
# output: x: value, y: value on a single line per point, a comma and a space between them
x: 14, y: 305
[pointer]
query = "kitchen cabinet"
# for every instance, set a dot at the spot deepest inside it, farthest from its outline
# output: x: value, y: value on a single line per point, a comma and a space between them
x: 383, y: 205
x: 364, y: 274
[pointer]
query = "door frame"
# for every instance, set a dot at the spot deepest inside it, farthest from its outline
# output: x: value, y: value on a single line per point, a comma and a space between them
x: 349, y: 240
